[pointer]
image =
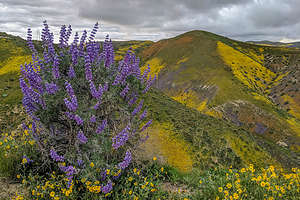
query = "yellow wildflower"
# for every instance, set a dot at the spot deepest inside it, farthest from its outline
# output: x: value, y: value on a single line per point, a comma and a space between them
x: 220, y: 189
x: 24, y: 161
x: 92, y: 165
x: 229, y: 185
x: 68, y: 192
x: 235, y: 196
x: 52, y: 194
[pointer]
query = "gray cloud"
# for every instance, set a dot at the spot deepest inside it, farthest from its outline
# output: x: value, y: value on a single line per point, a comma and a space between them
x: 156, y: 19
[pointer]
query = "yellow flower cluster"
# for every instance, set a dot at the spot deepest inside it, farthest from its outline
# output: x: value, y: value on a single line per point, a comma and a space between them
x: 246, y: 67
x: 55, y: 187
x: 10, y: 142
x: 269, y: 183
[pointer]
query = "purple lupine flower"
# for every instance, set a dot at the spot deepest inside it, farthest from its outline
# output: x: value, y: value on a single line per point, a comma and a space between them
x: 55, y: 156
x: 102, y: 126
x: 70, y: 171
x: 143, y: 115
x: 145, y: 74
x: 71, y: 73
x: 30, y: 108
x: 62, y: 36
x: 149, y: 84
x: 71, y: 116
x: 80, y: 162
x: 105, y: 88
x: 146, y: 125
x: 107, y: 188
x: 108, y: 52
x: 51, y: 88
x: 31, y: 46
x: 132, y: 100
x: 33, y: 77
x: 70, y: 104
x: 94, y: 31
x: 78, y: 120
x: 29, y: 93
x: 74, y: 50
x: 88, y: 68
x: 124, y: 164
x: 96, y: 93
x: 125, y: 91
x: 138, y: 108
x: 93, y: 119
x: 81, y: 137
x: 47, y: 39
x: 55, y: 67
x: 97, y: 105
x: 120, y: 139
x: 81, y: 44
x: 69, y: 32
x: 69, y: 89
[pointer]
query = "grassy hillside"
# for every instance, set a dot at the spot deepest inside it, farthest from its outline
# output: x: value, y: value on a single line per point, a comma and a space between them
x: 217, y: 105
x: 233, y: 81
x: 200, y: 70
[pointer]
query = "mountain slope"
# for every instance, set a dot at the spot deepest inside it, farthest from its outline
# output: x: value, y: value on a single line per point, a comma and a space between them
x: 195, y: 76
x: 230, y: 80
x: 282, y: 44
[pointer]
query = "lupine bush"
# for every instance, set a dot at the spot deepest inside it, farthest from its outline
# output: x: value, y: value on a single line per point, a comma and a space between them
x: 87, y: 110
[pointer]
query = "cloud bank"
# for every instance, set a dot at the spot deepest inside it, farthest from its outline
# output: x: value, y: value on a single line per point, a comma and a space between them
x: 275, y: 20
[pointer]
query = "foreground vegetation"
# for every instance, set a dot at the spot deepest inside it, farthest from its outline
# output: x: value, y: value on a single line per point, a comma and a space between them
x: 146, y: 180
x: 188, y: 155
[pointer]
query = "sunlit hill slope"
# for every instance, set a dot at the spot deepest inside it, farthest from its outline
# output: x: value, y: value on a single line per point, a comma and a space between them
x: 216, y: 102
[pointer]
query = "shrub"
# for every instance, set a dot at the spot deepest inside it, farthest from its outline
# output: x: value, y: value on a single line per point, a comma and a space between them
x: 86, y: 110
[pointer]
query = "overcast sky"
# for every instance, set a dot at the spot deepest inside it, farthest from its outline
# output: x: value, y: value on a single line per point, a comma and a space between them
x: 275, y: 20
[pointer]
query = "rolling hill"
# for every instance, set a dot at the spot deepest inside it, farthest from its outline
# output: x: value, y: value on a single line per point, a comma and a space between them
x: 214, y: 100
x: 282, y: 44
x: 245, y: 84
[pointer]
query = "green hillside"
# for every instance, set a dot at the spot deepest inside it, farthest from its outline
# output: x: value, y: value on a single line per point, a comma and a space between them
x: 218, y: 105
x: 217, y: 110
x: 232, y: 81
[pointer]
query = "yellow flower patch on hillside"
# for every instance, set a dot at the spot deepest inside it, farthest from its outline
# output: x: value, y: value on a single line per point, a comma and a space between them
x: 13, y: 64
x: 259, y: 58
x: 293, y: 106
x: 213, y: 113
x: 163, y: 142
x: 155, y: 65
x: 248, y: 152
x: 294, y: 125
x: 247, y: 70
x: 190, y: 99
x: 261, y: 98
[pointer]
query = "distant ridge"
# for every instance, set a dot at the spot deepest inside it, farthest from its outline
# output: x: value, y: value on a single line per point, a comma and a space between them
x: 282, y: 44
